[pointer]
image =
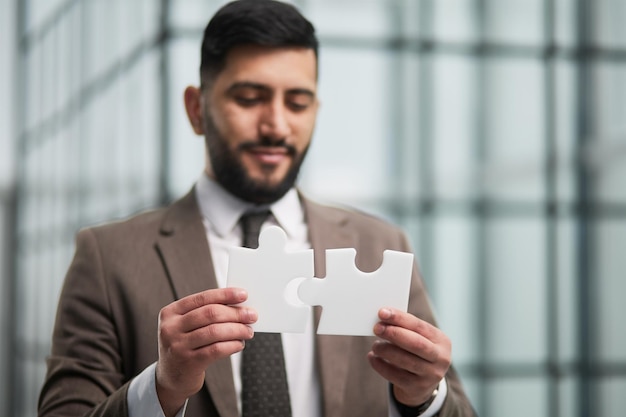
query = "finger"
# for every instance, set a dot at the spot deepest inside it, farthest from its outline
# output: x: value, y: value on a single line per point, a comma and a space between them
x: 221, y: 350
x: 392, y: 373
x: 408, y: 321
x: 216, y: 313
x: 218, y: 333
x: 401, y: 359
x: 213, y: 296
x: 408, y: 340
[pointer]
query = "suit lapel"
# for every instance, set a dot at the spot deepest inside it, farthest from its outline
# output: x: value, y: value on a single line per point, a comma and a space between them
x: 327, y: 230
x: 185, y: 252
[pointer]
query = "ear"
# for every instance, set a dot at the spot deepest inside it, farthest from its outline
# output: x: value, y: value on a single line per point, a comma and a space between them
x: 193, y: 106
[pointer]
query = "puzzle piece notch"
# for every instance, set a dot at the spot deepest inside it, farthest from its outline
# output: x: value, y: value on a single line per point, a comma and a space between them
x: 266, y: 274
x: 350, y: 298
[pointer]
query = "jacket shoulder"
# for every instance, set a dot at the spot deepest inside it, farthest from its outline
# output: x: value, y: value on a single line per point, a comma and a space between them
x: 146, y: 222
x: 352, y: 216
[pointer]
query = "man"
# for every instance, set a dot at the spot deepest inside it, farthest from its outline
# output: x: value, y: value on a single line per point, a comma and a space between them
x: 146, y: 325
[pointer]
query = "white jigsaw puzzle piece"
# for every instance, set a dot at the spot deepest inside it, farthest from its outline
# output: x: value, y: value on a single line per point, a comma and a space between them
x: 350, y: 298
x: 265, y: 273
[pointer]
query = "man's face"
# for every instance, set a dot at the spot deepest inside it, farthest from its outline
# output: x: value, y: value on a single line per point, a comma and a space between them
x: 258, y: 117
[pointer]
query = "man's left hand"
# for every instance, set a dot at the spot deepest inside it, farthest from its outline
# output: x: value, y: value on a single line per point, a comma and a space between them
x: 413, y: 355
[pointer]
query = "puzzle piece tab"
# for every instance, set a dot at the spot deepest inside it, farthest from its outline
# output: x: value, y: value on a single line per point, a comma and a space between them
x: 266, y: 273
x: 351, y: 298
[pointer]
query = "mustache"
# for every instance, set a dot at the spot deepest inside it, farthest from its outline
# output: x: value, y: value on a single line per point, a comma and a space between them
x: 266, y: 142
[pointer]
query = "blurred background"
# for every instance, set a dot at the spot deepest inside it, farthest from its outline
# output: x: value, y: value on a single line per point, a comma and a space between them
x: 492, y: 131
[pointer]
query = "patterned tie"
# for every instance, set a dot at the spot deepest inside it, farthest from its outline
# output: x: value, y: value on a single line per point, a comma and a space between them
x: 264, y: 390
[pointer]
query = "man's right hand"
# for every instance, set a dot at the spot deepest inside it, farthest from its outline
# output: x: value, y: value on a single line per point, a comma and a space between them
x: 194, y: 332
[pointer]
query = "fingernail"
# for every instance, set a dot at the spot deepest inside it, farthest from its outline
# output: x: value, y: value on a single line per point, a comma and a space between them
x: 379, y: 329
x: 384, y: 313
x: 252, y: 315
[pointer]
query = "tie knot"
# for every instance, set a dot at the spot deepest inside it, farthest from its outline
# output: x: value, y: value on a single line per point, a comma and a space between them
x: 251, y: 223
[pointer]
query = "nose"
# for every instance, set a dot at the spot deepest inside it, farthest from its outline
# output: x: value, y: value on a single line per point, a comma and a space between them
x: 274, y: 123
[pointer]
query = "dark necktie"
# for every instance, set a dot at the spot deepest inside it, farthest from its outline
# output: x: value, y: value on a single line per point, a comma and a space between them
x: 264, y: 389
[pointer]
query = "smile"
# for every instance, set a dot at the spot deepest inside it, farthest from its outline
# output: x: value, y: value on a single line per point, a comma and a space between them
x: 270, y: 155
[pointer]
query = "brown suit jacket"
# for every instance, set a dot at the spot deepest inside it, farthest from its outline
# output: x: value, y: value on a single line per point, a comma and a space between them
x: 123, y: 273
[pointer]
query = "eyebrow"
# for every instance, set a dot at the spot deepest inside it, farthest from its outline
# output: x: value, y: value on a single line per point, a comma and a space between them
x: 264, y: 88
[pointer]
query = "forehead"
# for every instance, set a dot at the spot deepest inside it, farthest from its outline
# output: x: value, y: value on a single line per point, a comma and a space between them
x: 274, y: 67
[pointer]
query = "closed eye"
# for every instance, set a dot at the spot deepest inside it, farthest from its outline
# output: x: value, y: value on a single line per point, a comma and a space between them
x: 299, y: 101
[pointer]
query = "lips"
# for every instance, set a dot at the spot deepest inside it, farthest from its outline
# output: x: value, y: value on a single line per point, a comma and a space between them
x: 270, y: 155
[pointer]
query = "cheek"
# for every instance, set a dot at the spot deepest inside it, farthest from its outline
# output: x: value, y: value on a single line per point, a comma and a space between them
x: 305, y: 131
x: 236, y: 126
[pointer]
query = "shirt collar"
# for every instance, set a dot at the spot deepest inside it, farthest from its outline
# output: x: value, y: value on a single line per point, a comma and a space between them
x: 222, y: 210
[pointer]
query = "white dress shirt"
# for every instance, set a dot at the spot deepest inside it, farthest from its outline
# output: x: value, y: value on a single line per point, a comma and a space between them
x: 221, y: 212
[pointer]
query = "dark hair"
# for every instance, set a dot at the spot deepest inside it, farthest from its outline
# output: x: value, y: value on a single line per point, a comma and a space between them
x: 253, y: 22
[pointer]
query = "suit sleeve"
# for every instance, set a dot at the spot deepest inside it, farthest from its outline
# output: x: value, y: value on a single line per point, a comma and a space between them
x: 456, y: 403
x: 84, y: 375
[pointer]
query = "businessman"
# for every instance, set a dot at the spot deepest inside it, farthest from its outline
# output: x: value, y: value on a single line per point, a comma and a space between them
x: 146, y: 325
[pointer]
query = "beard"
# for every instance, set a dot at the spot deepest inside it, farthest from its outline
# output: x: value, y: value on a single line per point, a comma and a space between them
x: 231, y: 173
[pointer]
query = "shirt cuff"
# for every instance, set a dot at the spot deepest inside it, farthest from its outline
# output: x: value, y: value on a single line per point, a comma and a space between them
x: 432, y: 410
x: 142, y: 396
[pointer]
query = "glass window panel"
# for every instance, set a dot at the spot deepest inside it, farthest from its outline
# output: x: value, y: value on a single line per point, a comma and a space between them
x: 609, y: 23
x: 34, y: 88
x: 565, y: 22
x: 611, y: 287
x: 515, y: 123
x: 370, y: 19
x: 48, y: 79
x: 138, y: 22
x: 8, y: 122
x: 454, y: 126
x: 186, y: 150
x: 473, y: 387
x: 612, y: 401
x: 70, y: 169
x: 101, y: 47
x: 412, y: 226
x: 46, y: 183
x: 455, y: 20
x: 148, y: 132
x: 349, y: 156
x: 128, y: 152
x: 565, y: 125
x: 75, y: 43
x: 99, y: 156
x: 409, y: 17
x: 610, y: 177
x: 610, y: 105
x: 57, y: 189
x: 514, y: 397
x: 40, y: 290
x: 516, y: 299
x: 62, y: 63
x: 609, y: 153
x: 192, y: 13
x: 26, y: 286
x: 568, y: 397
x: 41, y: 11
x: 567, y: 297
x: 515, y: 21
x: 454, y: 287
x: 406, y: 118
x: 4, y: 245
x: 119, y: 179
